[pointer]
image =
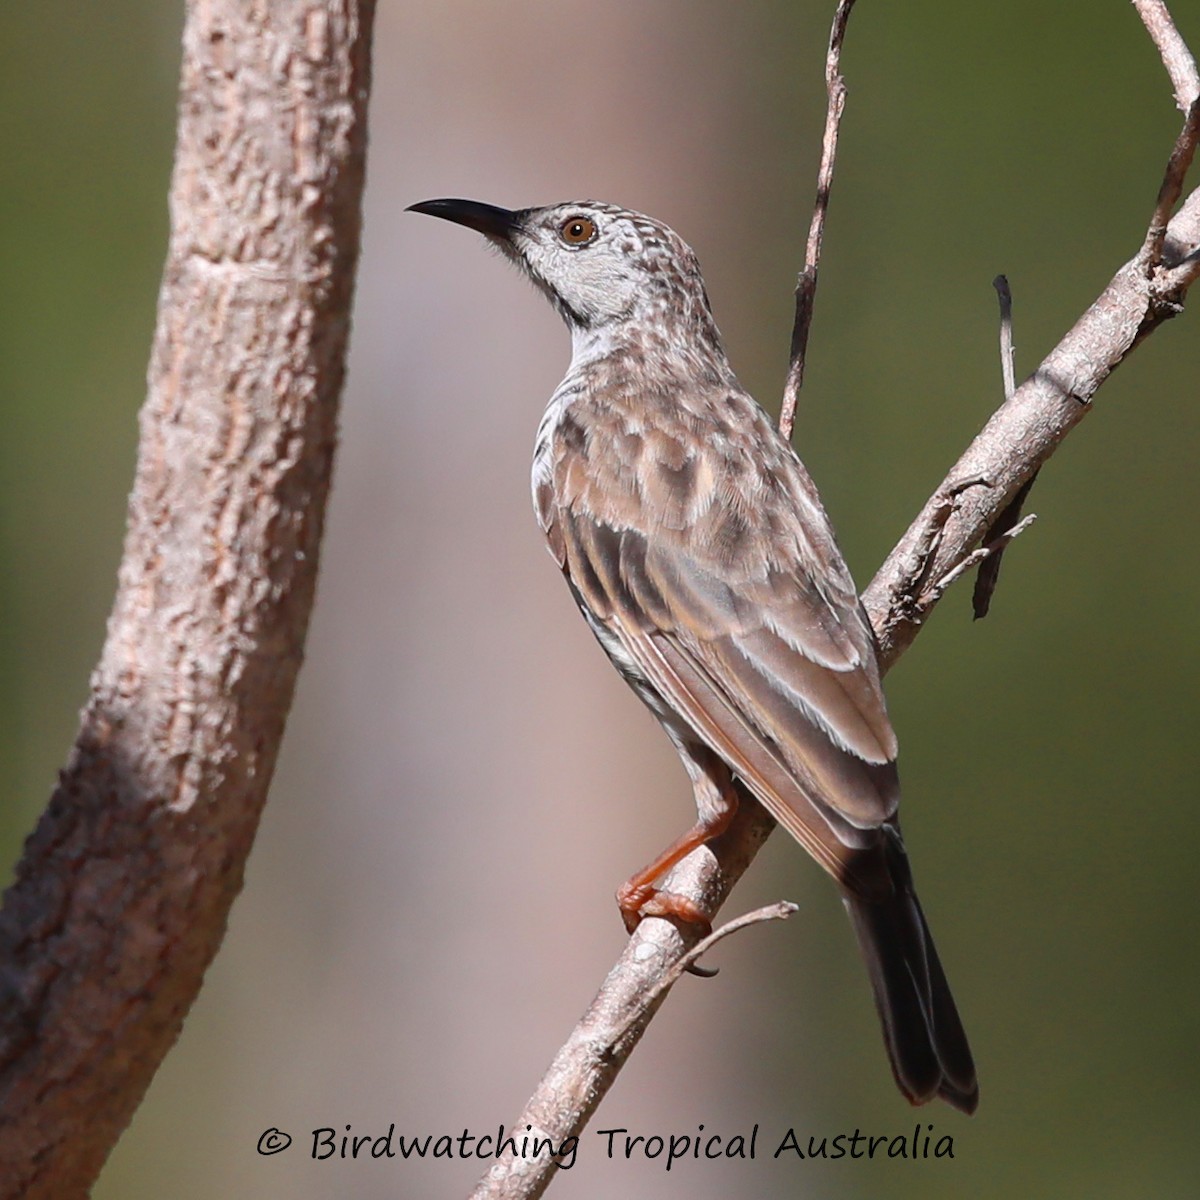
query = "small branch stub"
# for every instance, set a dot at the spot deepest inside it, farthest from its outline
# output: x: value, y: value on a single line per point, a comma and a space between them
x: 1002, y: 530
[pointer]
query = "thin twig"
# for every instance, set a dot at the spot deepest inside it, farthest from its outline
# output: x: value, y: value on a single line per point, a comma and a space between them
x: 981, y: 554
x: 1008, y: 368
x: 1171, y: 187
x: 1181, y: 67
x: 996, y: 540
x: 778, y: 911
x: 1176, y: 56
x: 989, y: 567
x: 806, y: 282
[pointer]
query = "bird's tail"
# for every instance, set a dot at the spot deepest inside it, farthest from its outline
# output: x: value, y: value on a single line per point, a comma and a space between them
x: 921, y: 1028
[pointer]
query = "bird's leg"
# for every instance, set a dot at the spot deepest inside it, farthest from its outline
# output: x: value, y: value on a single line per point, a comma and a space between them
x: 716, y: 804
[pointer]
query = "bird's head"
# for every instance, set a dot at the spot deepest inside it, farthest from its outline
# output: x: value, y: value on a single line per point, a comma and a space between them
x: 602, y: 267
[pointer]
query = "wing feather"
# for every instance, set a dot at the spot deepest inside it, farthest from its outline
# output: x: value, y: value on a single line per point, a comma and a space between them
x: 740, y: 613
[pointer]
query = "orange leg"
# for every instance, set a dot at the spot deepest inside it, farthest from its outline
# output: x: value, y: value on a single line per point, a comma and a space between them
x: 638, y: 897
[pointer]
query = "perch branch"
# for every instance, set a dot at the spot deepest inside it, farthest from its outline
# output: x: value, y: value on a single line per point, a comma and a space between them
x: 1019, y: 438
x: 122, y: 893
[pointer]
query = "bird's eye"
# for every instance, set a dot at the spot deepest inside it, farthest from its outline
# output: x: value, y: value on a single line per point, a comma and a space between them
x: 577, y: 231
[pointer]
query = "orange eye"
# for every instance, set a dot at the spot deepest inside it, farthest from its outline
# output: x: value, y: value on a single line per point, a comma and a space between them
x: 577, y: 231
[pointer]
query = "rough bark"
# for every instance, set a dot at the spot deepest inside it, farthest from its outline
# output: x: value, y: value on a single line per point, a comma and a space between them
x: 121, y: 897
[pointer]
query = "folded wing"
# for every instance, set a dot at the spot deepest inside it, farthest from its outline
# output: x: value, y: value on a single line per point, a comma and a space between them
x: 741, y: 614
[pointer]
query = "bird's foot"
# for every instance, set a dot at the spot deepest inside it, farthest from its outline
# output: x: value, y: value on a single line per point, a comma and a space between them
x: 645, y: 900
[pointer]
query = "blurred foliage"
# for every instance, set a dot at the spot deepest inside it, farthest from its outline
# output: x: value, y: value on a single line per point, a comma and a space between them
x: 1055, y: 741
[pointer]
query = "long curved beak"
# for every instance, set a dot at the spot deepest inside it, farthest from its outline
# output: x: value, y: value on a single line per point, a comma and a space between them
x: 492, y: 222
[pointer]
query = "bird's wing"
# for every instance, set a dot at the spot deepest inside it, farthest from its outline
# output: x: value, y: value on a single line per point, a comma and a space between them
x: 711, y: 561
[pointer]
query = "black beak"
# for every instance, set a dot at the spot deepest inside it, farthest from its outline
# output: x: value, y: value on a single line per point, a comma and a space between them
x: 492, y: 222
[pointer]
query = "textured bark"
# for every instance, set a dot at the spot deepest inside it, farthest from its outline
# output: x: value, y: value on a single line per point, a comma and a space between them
x: 121, y: 897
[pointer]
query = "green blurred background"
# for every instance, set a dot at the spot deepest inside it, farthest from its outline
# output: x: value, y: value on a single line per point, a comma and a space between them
x: 428, y: 907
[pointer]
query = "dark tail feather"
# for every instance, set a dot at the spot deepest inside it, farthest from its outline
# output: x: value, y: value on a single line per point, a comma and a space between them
x: 921, y: 1028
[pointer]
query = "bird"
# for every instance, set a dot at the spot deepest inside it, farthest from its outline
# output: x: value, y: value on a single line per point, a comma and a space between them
x: 697, y: 549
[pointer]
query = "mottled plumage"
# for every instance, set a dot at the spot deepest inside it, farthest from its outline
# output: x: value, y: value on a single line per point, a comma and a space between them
x: 696, y: 547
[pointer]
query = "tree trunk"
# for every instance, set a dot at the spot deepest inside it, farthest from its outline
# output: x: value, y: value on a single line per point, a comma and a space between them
x: 122, y: 894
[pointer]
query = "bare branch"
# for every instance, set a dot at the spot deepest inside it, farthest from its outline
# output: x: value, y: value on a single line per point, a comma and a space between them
x: 1172, y: 186
x: 1176, y: 56
x: 1181, y: 67
x: 1018, y: 439
x: 122, y: 894
x: 1030, y: 426
x: 806, y: 283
